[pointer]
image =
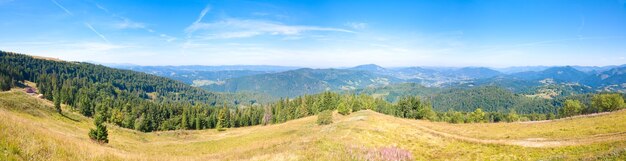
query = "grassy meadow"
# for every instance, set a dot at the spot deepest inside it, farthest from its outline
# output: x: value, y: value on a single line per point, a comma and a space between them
x: 31, y: 130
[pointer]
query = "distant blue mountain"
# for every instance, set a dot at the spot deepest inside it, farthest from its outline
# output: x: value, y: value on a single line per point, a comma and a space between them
x: 303, y: 81
x: 559, y: 74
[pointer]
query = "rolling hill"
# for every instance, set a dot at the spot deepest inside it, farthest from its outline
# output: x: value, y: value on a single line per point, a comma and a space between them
x: 202, y: 75
x: 31, y: 130
x: 559, y: 74
x: 474, y: 73
x: 613, y: 80
x: 275, y: 82
x: 302, y: 81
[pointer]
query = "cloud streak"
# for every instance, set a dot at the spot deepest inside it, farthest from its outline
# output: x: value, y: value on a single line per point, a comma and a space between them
x: 199, y: 19
x: 64, y: 9
x: 203, y: 13
x: 242, y: 28
x: 129, y: 24
x: 229, y: 28
x: 357, y: 25
x: 97, y: 33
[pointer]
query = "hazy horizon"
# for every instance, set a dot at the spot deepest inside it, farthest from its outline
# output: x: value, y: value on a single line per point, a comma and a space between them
x: 336, y: 67
x: 320, y: 34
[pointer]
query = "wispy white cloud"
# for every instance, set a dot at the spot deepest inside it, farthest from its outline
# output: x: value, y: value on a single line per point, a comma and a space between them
x: 125, y: 22
x: 203, y: 13
x: 357, y: 25
x: 61, y: 6
x: 69, y: 50
x: 167, y: 37
x: 269, y: 15
x: 97, y: 33
x: 199, y: 19
x: 241, y: 28
x: 94, y: 46
x: 129, y: 24
x: 101, y: 7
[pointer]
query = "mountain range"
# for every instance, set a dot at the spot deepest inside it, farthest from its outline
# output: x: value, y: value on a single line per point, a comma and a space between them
x: 282, y: 81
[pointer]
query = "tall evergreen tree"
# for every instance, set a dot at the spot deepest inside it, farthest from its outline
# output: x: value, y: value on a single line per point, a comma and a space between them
x: 100, y: 134
x: 57, y: 102
x: 184, y: 121
x: 221, y: 120
x: 343, y: 109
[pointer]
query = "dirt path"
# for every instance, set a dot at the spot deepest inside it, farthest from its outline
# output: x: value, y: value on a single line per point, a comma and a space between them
x: 528, y: 142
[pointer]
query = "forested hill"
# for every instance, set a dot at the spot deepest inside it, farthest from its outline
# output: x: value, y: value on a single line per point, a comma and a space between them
x: 303, y: 81
x: 129, y: 99
x: 74, y: 74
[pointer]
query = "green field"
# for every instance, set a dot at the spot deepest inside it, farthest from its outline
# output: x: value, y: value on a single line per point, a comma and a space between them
x: 31, y: 130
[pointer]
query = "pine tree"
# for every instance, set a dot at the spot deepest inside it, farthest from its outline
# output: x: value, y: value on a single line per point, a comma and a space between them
x: 183, y: 122
x: 303, y: 110
x: 343, y: 109
x: 221, y: 123
x: 198, y: 125
x: 100, y: 134
x: 57, y: 102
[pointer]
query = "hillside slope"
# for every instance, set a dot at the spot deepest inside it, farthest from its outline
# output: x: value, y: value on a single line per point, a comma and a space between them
x: 30, y: 130
x: 302, y: 81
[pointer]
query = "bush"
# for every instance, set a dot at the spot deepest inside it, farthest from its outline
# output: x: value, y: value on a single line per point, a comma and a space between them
x: 100, y: 134
x: 571, y: 108
x: 325, y: 117
x: 343, y: 109
x: 607, y: 102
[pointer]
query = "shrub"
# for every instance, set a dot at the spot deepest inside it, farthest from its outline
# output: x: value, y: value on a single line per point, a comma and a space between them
x: 607, y: 102
x: 325, y: 117
x: 343, y: 109
x: 100, y: 134
x: 571, y: 108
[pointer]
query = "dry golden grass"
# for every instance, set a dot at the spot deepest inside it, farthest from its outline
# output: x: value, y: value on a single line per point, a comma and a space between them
x: 31, y: 130
x: 579, y: 127
x: 47, y: 58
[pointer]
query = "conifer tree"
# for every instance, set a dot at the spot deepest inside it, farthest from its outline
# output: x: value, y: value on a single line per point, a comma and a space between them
x: 343, y: 109
x: 100, y: 134
x: 183, y: 122
x: 221, y: 120
x: 57, y: 102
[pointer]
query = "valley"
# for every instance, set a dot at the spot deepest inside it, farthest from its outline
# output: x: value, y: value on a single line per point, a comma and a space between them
x: 294, y: 81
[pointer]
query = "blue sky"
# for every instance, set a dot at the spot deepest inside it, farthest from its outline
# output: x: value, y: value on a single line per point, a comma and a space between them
x: 335, y: 33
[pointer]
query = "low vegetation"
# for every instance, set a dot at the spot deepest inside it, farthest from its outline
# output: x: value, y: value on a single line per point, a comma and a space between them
x: 30, y: 129
x: 325, y: 117
x: 113, y: 108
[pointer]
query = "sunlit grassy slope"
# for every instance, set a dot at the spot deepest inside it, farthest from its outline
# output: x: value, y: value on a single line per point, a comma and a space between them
x: 31, y: 130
